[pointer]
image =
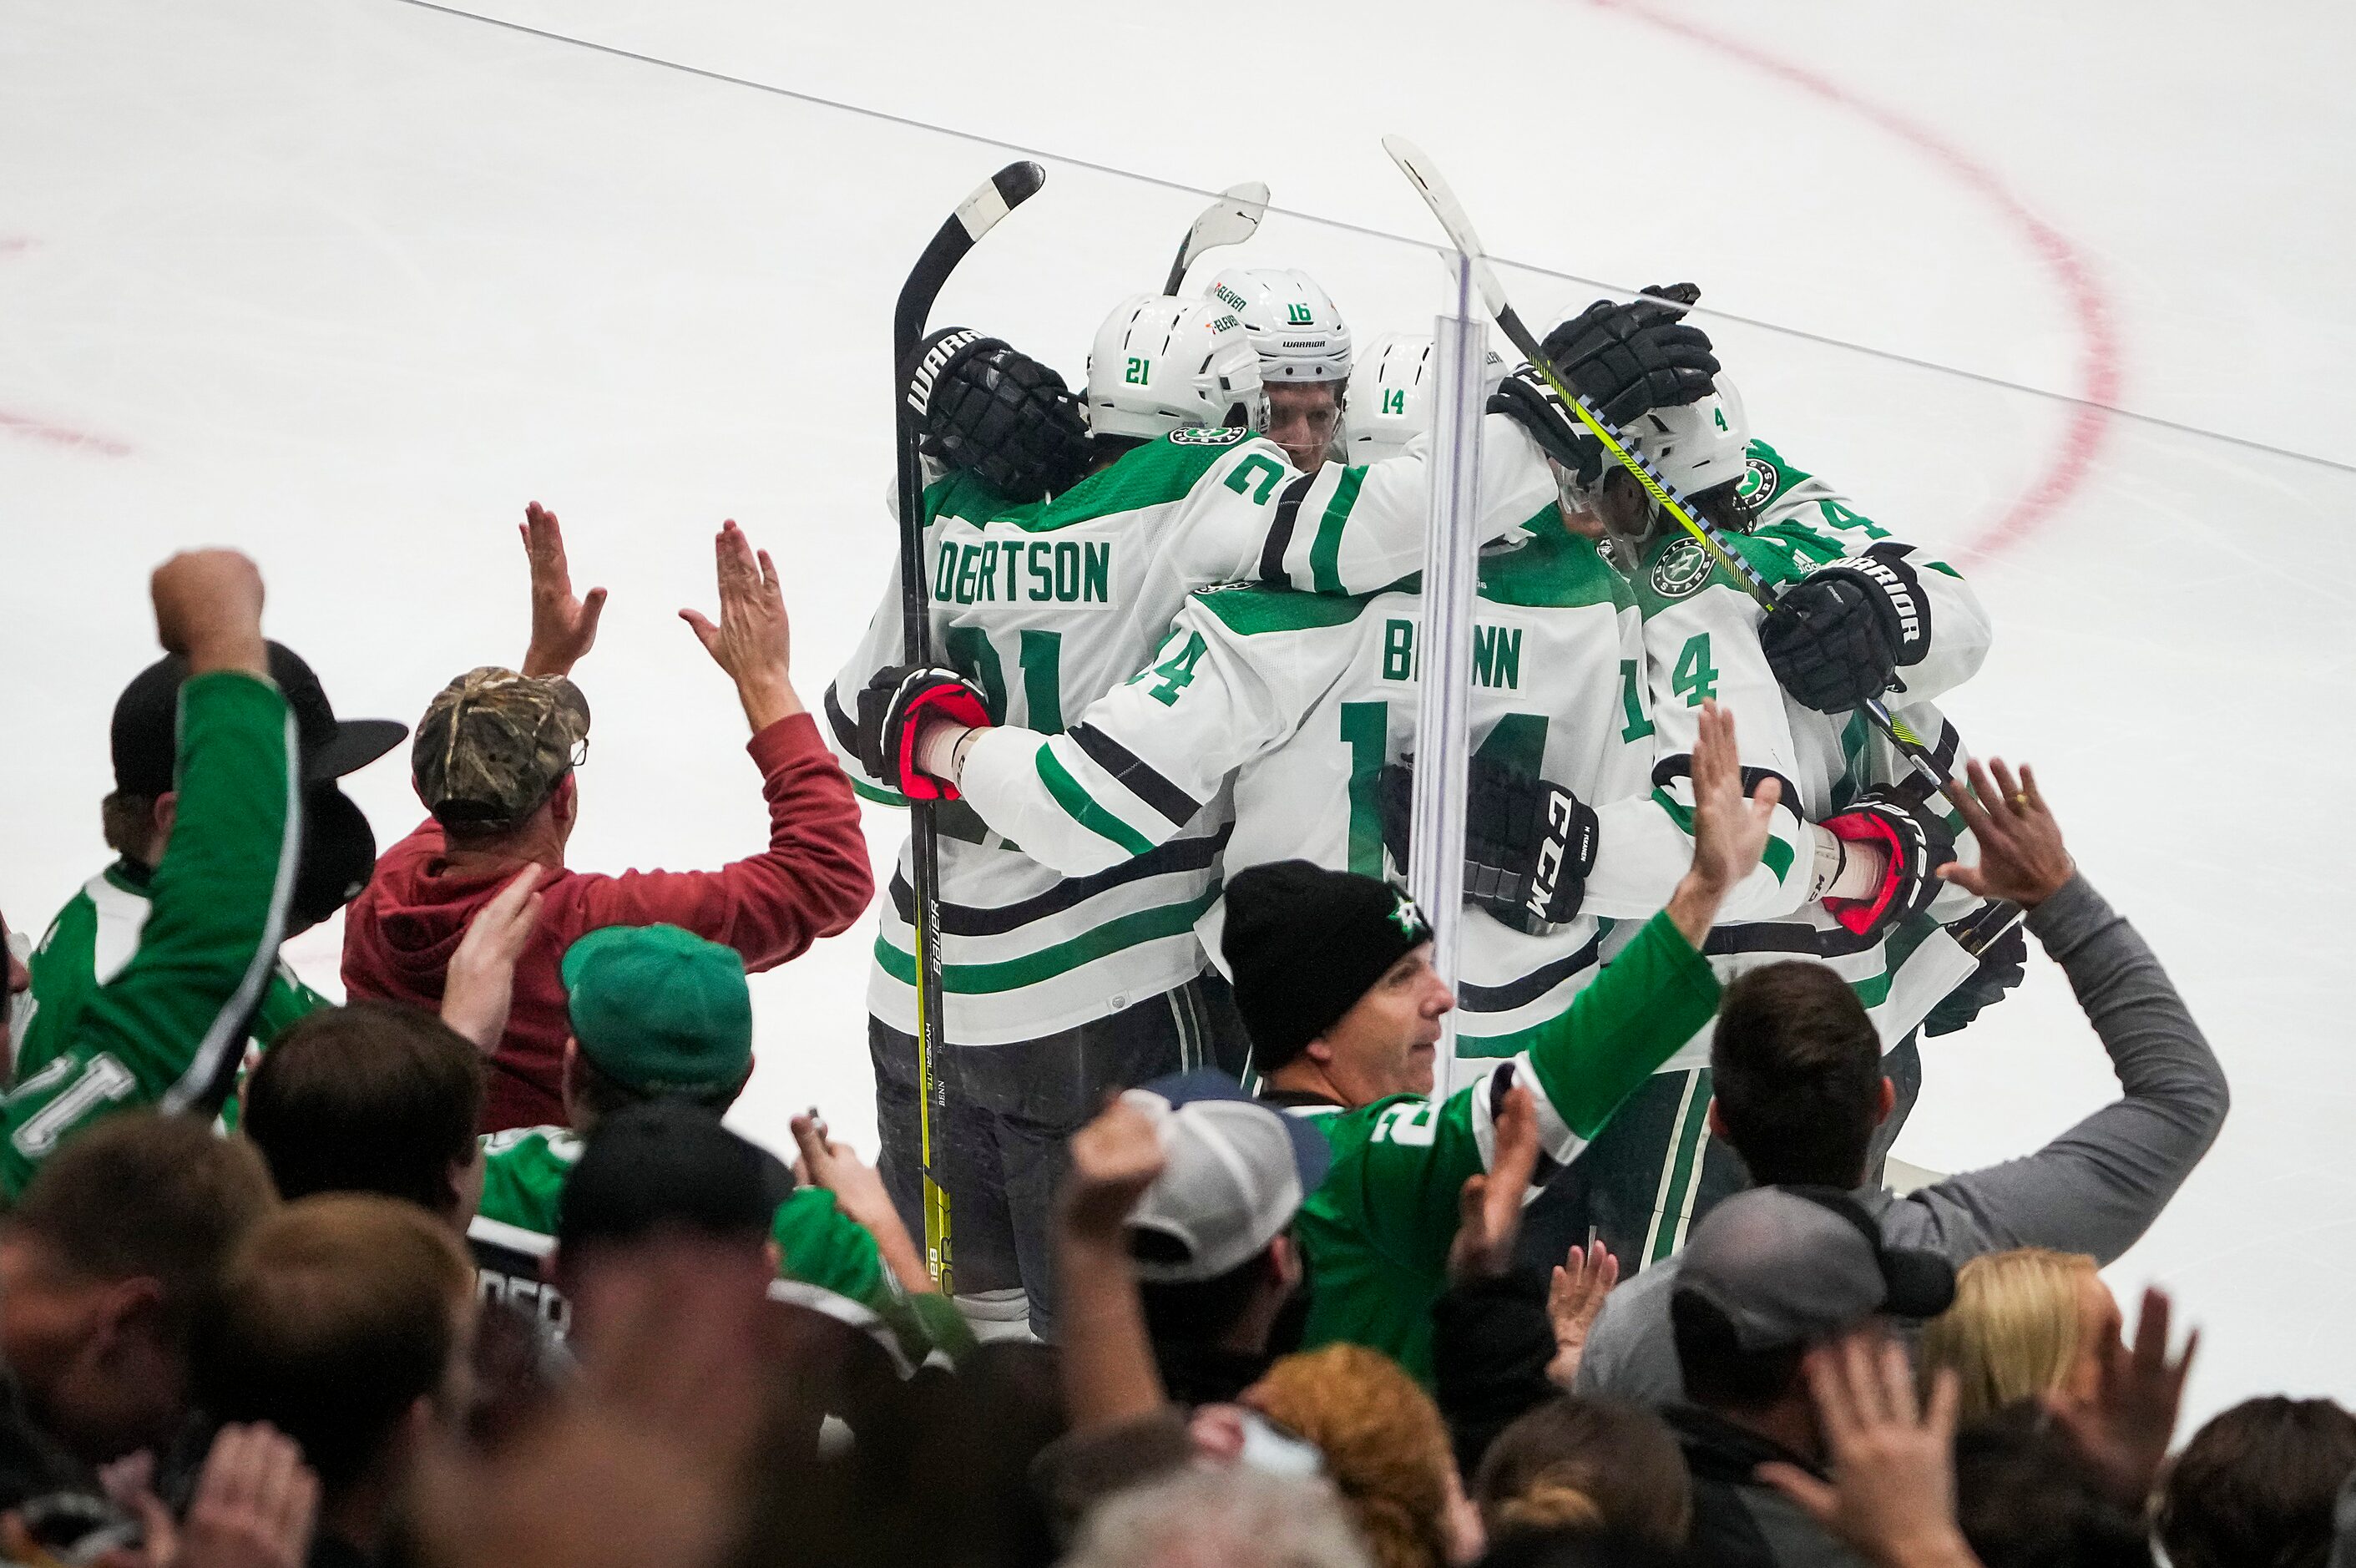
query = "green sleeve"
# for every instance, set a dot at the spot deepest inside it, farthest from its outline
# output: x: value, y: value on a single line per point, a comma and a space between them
x: 823, y: 1246
x: 168, y: 1030
x: 1617, y: 1032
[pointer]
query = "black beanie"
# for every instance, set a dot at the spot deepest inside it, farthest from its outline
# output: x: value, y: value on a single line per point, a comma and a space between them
x: 1303, y: 944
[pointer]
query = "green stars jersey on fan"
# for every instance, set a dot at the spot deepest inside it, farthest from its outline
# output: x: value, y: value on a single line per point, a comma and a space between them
x: 1048, y: 606
x: 1376, y: 1231
x: 828, y: 1261
x: 1291, y: 704
x: 165, y: 1031
x: 93, y: 937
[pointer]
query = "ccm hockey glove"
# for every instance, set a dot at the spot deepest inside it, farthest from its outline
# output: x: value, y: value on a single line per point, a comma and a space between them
x: 1839, y: 635
x: 893, y: 710
x: 1914, y: 840
x: 1526, y: 399
x: 996, y: 412
x: 1528, y: 844
x: 1628, y: 359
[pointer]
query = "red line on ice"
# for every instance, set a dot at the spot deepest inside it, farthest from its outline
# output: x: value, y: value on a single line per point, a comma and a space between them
x: 25, y: 424
x: 61, y: 435
x: 2088, y: 304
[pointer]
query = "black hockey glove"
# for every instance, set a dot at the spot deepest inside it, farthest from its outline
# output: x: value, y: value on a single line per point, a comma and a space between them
x: 1526, y: 399
x: 1840, y: 635
x: 1627, y: 359
x: 1914, y: 840
x: 1528, y: 844
x: 2002, y: 967
x: 994, y: 412
x: 893, y: 713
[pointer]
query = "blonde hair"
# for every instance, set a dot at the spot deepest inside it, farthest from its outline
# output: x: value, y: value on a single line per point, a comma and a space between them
x: 1385, y: 1447
x: 2013, y: 1331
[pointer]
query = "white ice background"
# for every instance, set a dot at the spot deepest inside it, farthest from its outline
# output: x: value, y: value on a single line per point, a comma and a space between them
x: 345, y: 282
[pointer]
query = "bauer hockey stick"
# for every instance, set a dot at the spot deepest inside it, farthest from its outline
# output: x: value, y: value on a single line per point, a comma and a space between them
x: 1231, y: 220
x: 1005, y: 191
x: 1437, y: 195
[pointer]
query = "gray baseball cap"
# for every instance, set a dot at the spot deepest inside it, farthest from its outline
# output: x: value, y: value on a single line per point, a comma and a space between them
x: 1235, y: 1173
x: 1793, y: 1266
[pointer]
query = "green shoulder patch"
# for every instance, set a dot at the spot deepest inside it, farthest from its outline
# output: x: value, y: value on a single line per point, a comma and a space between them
x: 1225, y: 436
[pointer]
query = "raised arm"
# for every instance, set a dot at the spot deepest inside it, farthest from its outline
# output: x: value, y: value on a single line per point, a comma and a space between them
x: 2098, y: 1186
x: 167, y: 1031
x: 813, y: 880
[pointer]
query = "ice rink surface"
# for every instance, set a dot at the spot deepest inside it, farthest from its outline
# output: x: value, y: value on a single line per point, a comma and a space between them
x: 346, y: 282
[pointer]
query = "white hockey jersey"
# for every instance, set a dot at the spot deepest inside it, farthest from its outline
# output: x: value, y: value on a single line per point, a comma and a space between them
x: 1050, y: 605
x: 1293, y: 703
x: 1701, y: 642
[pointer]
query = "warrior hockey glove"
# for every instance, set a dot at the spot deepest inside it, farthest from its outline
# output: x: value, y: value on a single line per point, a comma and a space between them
x: 998, y: 413
x: 893, y: 713
x: 1839, y: 635
x: 1527, y: 399
x: 1628, y: 359
x: 1915, y: 842
x: 1528, y: 844
x: 2002, y: 967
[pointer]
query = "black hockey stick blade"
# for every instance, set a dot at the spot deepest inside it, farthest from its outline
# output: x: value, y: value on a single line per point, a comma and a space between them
x: 1231, y: 220
x: 1005, y: 191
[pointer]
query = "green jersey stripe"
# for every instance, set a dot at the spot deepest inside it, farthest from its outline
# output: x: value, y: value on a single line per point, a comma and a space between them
x: 1325, y: 549
x: 1011, y: 975
x: 1083, y: 807
x: 1777, y: 854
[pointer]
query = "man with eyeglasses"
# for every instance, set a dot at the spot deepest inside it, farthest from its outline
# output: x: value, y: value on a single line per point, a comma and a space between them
x: 492, y: 762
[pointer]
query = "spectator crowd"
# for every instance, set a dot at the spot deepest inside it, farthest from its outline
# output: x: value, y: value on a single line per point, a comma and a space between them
x: 468, y: 1270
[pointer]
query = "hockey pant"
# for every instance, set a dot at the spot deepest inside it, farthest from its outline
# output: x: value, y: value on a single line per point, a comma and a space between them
x: 1656, y: 1169
x: 1001, y: 1149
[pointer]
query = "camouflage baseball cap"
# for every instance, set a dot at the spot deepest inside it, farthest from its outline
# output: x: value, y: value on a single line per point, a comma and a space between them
x: 493, y: 745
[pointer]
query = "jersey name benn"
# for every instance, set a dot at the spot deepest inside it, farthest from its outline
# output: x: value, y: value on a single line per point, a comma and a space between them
x: 1496, y: 653
x: 1063, y: 571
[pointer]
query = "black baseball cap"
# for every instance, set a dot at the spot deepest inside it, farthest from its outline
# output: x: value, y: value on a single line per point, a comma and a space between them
x: 145, y: 732
x: 668, y: 1166
x: 1793, y: 1265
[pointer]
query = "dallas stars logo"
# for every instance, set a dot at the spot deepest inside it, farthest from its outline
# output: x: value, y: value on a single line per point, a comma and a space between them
x: 1407, y: 918
x: 1680, y: 569
x: 1225, y: 436
x: 1760, y: 482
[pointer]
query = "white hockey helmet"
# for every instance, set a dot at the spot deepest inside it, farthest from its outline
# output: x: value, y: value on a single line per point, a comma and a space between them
x: 1161, y: 363
x: 1293, y: 325
x: 1698, y: 446
x: 1390, y: 395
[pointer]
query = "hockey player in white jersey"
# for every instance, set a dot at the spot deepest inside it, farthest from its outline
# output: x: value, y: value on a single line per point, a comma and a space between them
x: 1304, y: 356
x: 1071, y: 986
x: 1865, y: 613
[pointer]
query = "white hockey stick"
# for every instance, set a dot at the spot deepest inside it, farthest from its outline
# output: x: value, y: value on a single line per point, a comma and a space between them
x: 1231, y: 220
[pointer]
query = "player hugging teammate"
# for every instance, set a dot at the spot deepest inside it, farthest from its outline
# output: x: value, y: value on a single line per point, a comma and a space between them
x: 1177, y: 616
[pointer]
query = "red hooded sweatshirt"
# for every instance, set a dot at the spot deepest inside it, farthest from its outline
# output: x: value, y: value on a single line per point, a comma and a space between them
x: 812, y: 881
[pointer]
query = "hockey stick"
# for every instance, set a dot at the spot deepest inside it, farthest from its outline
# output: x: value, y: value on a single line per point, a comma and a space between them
x: 1437, y: 194
x: 1231, y: 220
x: 1005, y: 191
x: 1417, y: 167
